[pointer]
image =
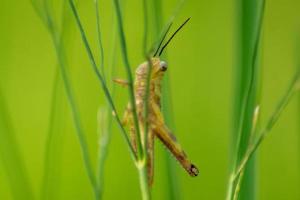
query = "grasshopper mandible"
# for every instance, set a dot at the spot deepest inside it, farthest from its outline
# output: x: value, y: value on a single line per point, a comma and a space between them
x: 157, y: 127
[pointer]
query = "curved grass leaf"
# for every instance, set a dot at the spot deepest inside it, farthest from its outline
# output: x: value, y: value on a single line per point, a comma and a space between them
x: 11, y: 157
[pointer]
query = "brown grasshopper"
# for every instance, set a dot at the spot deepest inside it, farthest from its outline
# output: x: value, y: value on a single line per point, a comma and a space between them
x: 156, y: 123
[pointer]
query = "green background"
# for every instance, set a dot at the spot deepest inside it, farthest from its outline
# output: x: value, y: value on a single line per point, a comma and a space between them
x: 201, y: 61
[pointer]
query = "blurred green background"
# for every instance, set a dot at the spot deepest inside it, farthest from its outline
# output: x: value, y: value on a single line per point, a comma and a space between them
x: 201, y: 62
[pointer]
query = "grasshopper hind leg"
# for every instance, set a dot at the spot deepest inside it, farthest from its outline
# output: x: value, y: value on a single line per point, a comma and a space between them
x: 169, y: 140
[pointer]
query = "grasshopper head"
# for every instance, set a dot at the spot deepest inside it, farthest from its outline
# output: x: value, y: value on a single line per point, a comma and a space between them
x: 158, y: 66
x: 157, y: 71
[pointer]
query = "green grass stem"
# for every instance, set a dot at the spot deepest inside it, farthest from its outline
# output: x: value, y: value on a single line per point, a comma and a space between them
x: 140, y: 148
x: 146, y: 27
x: 53, y: 141
x: 173, y: 186
x: 297, y: 53
x: 49, y: 139
x: 104, y: 129
x: 11, y: 157
x: 240, y: 166
x: 247, y: 73
x: 292, y: 89
x: 60, y: 53
x: 105, y: 121
x: 100, y: 78
x: 142, y: 154
x: 101, y: 63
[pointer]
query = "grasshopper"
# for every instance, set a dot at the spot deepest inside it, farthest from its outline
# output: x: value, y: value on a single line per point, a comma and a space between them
x: 156, y: 124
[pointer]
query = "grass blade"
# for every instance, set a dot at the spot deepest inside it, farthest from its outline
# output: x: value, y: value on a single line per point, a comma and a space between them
x: 60, y: 53
x: 102, y: 71
x: 247, y: 73
x: 105, y: 122
x: 173, y: 186
x: 54, y: 140
x: 53, y: 158
x: 140, y: 149
x: 104, y: 128
x: 146, y: 27
x: 292, y: 89
x: 245, y: 159
x: 100, y: 78
x: 11, y: 157
x: 49, y: 139
x: 297, y: 50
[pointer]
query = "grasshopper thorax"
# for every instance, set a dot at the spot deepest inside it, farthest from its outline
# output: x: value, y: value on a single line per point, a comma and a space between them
x: 157, y: 70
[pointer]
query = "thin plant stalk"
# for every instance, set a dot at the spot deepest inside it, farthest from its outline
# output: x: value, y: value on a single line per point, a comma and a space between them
x: 11, y: 157
x: 298, y: 99
x: 237, y: 175
x: 148, y: 78
x: 292, y: 89
x: 50, y: 133
x: 54, y: 143
x: 103, y: 116
x: 39, y: 11
x: 298, y: 144
x: 100, y: 39
x: 106, y: 131
x: 146, y: 104
x: 100, y: 78
x: 146, y: 27
x: 53, y: 115
x: 103, y: 120
x: 55, y: 36
x: 140, y: 161
x: 247, y: 74
x: 173, y: 186
x: 238, y: 186
x: 141, y: 149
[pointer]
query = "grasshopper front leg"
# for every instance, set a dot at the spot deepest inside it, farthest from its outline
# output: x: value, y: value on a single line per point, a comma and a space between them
x: 121, y: 82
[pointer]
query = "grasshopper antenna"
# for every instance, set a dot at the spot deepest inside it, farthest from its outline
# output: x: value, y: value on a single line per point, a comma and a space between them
x: 162, y: 49
x: 162, y: 39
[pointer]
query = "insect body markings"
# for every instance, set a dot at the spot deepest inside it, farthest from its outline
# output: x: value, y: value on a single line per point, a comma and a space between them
x: 156, y: 124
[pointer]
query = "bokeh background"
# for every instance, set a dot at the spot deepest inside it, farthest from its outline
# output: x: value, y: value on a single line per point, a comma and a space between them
x: 201, y: 72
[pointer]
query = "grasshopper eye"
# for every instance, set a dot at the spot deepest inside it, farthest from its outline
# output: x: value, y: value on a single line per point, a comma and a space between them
x: 163, y: 66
